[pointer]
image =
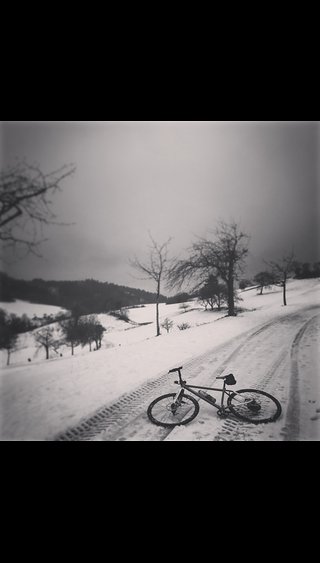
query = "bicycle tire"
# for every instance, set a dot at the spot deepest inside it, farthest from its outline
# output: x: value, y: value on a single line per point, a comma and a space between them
x: 157, y: 411
x: 270, y: 408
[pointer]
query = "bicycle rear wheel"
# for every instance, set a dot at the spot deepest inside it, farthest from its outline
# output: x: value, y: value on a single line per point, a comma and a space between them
x: 254, y: 406
x: 163, y: 411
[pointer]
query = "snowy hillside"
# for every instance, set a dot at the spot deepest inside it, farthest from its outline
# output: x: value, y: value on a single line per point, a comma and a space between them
x: 20, y: 308
x: 43, y: 397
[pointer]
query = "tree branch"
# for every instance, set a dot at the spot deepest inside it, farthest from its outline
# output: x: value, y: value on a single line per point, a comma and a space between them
x: 24, y: 201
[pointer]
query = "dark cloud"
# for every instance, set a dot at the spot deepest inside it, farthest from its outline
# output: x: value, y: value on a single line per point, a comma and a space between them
x: 174, y: 179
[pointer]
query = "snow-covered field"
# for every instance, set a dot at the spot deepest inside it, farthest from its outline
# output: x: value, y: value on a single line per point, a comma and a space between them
x: 30, y: 309
x: 41, y: 398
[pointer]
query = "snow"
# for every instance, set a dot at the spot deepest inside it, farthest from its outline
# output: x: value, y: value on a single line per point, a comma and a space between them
x: 41, y: 398
x: 20, y: 308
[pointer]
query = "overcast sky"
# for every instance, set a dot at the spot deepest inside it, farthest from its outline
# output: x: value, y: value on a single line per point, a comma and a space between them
x: 174, y: 179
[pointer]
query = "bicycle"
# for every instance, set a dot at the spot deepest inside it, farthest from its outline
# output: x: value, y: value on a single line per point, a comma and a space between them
x: 250, y: 405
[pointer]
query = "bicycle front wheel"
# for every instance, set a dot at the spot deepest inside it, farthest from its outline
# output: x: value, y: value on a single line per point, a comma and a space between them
x: 254, y: 406
x: 163, y: 411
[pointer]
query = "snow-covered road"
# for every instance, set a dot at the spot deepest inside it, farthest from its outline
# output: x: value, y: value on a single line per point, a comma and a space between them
x: 272, y: 357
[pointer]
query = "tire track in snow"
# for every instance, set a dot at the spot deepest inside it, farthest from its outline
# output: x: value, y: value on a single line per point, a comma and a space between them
x: 234, y: 429
x: 132, y: 406
x: 133, y: 426
x: 287, y: 359
x: 127, y: 415
x: 292, y: 424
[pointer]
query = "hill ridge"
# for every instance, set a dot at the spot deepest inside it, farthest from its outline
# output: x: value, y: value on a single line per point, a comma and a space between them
x: 89, y: 295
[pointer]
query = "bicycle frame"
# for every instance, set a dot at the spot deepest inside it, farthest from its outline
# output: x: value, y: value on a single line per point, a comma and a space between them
x: 223, y: 391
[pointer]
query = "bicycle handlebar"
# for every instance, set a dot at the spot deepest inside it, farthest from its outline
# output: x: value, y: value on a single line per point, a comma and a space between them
x: 174, y: 370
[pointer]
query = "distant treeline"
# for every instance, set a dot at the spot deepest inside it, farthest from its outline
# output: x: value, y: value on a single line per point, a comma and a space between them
x: 181, y: 298
x: 307, y: 270
x: 91, y: 296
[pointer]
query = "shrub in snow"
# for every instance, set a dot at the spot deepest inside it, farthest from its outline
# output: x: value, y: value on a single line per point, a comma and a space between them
x: 184, y: 307
x: 121, y: 315
x: 167, y: 324
x: 184, y: 326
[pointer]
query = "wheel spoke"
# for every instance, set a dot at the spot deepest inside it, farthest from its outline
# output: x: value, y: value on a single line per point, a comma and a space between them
x: 161, y: 411
x: 254, y: 406
x: 164, y: 413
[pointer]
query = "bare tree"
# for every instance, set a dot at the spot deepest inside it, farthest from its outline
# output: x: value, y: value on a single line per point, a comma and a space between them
x: 213, y: 293
x: 282, y: 270
x: 86, y: 331
x: 71, y: 332
x: 223, y: 257
x: 46, y: 338
x: 184, y: 307
x: 264, y: 279
x: 167, y: 324
x: 25, y: 204
x: 155, y: 269
x: 9, y: 333
x: 90, y: 330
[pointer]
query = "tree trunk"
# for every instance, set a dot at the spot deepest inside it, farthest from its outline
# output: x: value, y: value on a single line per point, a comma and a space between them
x: 8, y: 357
x: 47, y: 352
x: 231, y: 311
x: 230, y: 285
x: 284, y: 290
x: 157, y: 309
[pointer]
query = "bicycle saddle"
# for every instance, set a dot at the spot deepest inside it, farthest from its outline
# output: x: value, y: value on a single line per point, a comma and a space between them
x: 229, y: 379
